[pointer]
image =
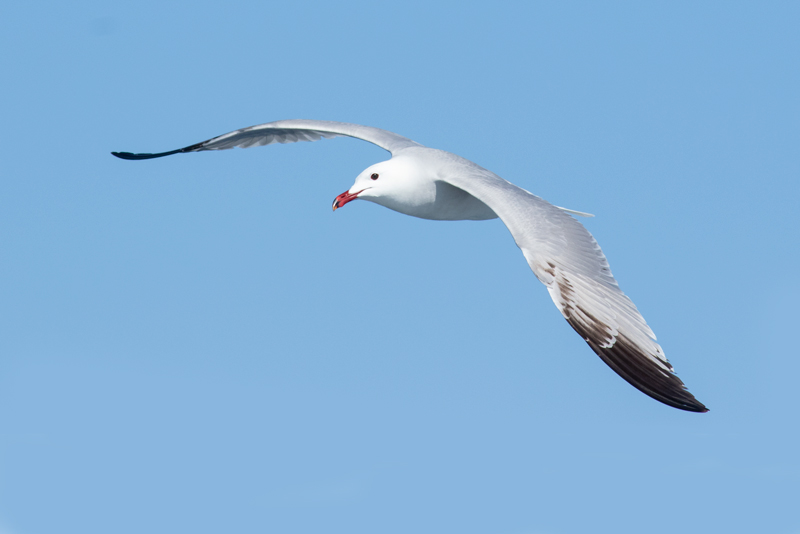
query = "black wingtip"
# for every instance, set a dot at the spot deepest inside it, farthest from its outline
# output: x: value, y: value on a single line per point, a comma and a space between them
x: 627, y: 360
x: 693, y: 405
x: 129, y: 155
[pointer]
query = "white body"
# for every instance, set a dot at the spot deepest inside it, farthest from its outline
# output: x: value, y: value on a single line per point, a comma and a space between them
x: 417, y: 190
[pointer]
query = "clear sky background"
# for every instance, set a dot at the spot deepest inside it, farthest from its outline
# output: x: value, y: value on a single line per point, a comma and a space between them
x: 197, y: 344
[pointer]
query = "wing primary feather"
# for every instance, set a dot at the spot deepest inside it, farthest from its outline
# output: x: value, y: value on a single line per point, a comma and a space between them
x: 288, y: 131
x: 667, y: 388
x: 130, y: 155
x: 625, y: 358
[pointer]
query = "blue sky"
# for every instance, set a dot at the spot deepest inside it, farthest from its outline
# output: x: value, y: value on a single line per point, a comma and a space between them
x: 197, y: 344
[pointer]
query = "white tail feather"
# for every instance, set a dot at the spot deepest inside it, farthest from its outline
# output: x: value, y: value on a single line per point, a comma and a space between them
x: 578, y: 213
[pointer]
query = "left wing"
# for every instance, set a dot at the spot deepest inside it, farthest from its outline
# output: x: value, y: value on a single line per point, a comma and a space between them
x: 566, y: 258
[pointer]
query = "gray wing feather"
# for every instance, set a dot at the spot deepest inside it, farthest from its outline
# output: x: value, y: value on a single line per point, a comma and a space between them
x: 568, y: 261
x: 288, y: 131
x: 292, y: 131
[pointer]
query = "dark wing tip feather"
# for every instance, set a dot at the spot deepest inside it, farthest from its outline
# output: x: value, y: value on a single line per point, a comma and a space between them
x: 132, y: 156
x: 625, y: 358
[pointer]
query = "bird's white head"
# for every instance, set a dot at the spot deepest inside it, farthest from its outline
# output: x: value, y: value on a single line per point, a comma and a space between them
x: 399, y: 184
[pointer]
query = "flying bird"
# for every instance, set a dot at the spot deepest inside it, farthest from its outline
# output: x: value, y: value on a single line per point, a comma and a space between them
x: 433, y: 184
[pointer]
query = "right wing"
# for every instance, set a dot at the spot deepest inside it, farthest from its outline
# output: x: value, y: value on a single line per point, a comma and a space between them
x: 288, y: 131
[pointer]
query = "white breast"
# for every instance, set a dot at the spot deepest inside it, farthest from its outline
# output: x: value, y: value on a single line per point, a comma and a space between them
x: 419, y: 188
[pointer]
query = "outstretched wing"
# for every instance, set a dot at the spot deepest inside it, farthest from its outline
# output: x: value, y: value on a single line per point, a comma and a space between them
x: 288, y: 131
x: 565, y: 257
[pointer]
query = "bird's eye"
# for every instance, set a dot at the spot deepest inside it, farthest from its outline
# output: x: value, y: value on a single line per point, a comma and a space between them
x: 374, y: 176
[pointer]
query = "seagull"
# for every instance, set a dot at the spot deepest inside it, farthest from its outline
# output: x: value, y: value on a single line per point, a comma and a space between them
x: 433, y: 184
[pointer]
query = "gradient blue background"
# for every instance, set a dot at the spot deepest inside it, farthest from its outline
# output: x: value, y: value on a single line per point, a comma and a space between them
x: 197, y: 344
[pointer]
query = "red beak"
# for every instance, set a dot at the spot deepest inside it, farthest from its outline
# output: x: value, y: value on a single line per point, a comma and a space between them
x: 344, y: 198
